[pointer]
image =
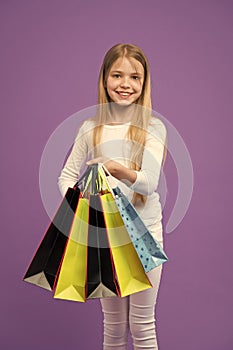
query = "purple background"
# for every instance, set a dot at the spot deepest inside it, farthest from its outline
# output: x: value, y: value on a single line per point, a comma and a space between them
x: 51, y: 53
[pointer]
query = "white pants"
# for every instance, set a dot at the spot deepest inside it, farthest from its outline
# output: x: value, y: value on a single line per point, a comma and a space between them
x: 134, y: 313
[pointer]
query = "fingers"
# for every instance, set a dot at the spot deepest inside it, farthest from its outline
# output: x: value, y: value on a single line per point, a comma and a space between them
x: 96, y: 160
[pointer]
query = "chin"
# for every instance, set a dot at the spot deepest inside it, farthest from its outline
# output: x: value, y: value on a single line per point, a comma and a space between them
x: 124, y: 102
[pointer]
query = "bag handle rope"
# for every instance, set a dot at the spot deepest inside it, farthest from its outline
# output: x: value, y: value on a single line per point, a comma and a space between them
x: 95, y: 175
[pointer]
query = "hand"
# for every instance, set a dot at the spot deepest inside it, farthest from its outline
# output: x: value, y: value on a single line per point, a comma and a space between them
x: 112, y: 166
x: 119, y: 171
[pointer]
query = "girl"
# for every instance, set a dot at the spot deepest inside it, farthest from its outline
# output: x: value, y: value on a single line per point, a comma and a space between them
x: 131, y: 142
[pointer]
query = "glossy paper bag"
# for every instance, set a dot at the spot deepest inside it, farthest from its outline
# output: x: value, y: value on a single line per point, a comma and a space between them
x: 44, y: 266
x: 148, y: 248
x: 130, y: 272
x: 101, y: 274
x: 71, y: 281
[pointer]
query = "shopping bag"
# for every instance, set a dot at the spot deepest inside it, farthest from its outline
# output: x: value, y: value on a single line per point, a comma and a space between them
x: 149, y: 250
x: 101, y: 275
x: 71, y: 280
x: 87, y: 270
x: 130, y: 272
x: 44, y: 266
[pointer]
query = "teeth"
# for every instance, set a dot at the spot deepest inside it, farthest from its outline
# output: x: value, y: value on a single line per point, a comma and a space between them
x: 124, y: 93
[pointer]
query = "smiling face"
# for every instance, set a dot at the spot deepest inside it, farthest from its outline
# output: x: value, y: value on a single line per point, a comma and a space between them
x: 125, y: 80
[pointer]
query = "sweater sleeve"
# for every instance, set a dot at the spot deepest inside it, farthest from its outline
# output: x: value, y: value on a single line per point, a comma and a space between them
x: 148, y: 176
x: 76, y: 160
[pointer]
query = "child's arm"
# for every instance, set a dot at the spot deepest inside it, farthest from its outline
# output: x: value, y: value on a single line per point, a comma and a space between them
x: 77, y: 158
x: 147, y: 178
x: 116, y: 169
x: 144, y: 181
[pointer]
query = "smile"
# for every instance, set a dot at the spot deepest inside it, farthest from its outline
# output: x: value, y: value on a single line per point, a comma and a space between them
x: 124, y: 94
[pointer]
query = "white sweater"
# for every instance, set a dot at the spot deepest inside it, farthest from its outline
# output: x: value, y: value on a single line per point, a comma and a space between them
x: 114, y: 145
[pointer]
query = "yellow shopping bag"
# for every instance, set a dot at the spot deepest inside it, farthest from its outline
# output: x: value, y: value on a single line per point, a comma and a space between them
x: 72, y: 277
x: 130, y: 272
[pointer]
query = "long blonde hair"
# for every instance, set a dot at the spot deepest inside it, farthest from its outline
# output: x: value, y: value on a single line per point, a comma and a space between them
x: 141, y: 117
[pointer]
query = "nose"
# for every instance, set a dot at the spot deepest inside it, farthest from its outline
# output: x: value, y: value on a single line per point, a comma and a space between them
x: 124, y: 82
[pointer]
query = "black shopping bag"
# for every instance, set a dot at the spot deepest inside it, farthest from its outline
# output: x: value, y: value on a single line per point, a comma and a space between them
x: 101, y: 275
x: 45, y: 264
